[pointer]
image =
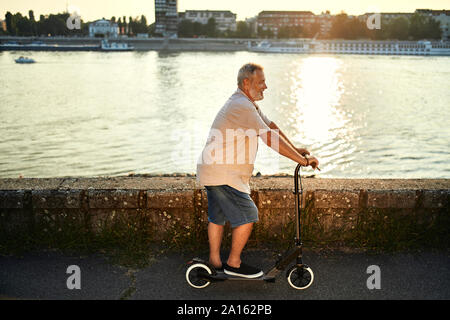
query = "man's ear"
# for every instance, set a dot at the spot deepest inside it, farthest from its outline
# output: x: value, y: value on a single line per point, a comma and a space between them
x: 245, y: 82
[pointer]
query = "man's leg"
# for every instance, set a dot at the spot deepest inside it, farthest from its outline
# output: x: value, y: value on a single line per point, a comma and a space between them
x: 215, y: 233
x: 240, y: 236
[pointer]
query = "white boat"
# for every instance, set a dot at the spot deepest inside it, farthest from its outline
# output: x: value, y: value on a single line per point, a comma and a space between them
x: 114, y: 46
x: 22, y: 59
x: 281, y: 47
x: 390, y: 47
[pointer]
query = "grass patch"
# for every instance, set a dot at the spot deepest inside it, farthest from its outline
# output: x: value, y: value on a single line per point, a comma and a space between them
x: 126, y: 240
x: 392, y: 230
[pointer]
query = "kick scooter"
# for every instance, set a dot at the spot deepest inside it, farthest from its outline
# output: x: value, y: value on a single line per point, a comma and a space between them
x: 200, y: 273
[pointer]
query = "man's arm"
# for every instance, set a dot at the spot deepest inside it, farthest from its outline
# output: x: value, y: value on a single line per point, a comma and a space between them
x: 273, y: 126
x: 283, y: 147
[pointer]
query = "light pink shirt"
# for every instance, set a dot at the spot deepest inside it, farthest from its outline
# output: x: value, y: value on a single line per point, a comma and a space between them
x: 230, y: 151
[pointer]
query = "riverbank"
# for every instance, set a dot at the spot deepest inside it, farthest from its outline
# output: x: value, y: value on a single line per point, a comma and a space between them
x: 304, y: 46
x: 133, y: 212
x: 145, y: 44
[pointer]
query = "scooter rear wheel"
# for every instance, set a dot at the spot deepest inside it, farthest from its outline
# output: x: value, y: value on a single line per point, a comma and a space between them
x: 300, y: 277
x: 194, y: 275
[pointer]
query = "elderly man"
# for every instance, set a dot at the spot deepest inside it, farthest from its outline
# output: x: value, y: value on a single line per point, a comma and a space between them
x: 226, y: 164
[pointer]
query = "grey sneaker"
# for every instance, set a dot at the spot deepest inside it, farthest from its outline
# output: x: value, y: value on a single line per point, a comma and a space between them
x: 244, y: 271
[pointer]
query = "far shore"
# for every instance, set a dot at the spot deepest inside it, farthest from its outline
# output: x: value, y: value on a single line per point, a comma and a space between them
x: 161, y: 44
x: 144, y: 44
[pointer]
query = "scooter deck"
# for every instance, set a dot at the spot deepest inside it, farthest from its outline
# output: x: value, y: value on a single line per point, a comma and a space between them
x: 222, y: 276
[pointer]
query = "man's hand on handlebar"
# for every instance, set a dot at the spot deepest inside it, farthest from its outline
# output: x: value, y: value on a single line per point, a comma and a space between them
x: 313, y: 162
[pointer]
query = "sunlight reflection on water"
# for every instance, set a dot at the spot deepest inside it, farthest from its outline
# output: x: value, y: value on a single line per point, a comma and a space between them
x: 90, y: 113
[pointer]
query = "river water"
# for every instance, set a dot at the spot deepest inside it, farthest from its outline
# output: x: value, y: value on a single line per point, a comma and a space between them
x: 97, y: 114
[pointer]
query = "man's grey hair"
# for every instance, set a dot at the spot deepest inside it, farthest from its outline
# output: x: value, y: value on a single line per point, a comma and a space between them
x: 246, y: 72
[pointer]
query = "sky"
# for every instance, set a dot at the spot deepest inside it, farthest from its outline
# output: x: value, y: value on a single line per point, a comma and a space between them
x: 96, y: 9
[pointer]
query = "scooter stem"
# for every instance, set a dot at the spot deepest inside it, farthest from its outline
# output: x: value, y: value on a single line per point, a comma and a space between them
x: 298, y: 203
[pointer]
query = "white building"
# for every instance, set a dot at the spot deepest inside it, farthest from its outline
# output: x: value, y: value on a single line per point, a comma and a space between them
x: 225, y: 20
x: 103, y: 27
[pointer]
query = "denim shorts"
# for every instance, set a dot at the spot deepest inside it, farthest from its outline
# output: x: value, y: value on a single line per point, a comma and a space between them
x: 228, y: 204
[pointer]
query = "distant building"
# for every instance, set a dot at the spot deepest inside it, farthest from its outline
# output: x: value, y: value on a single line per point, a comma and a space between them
x: 443, y: 16
x: 103, y: 27
x: 166, y: 17
x: 253, y: 25
x: 275, y: 20
x: 226, y: 20
x: 325, y: 20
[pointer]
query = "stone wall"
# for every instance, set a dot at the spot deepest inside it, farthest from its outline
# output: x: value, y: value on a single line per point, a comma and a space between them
x: 362, y: 211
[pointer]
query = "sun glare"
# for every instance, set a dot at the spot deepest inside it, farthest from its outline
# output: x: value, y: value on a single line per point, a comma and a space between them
x: 321, y: 123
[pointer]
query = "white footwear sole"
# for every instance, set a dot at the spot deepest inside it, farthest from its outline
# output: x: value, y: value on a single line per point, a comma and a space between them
x: 250, y: 276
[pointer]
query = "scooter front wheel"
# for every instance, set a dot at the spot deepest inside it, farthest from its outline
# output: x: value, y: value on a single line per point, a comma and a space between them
x: 300, y: 277
x: 194, y: 275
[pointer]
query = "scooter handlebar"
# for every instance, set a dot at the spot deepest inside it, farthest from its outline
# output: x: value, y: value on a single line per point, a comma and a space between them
x: 306, y: 156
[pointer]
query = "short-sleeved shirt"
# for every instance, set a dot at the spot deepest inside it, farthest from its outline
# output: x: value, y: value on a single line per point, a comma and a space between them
x: 230, y: 151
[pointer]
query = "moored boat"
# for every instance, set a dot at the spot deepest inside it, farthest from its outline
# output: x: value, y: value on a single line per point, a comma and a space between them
x: 22, y: 59
x: 389, y: 47
x: 115, y: 46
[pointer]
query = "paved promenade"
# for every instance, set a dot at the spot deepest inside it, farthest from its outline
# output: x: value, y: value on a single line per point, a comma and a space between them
x: 338, y: 275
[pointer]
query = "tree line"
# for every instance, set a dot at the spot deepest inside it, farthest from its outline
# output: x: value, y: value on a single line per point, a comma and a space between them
x: 56, y: 25
x: 414, y: 27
